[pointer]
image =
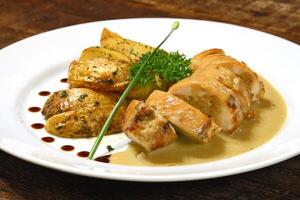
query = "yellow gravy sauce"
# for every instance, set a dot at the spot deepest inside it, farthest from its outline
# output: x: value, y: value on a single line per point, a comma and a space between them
x: 270, y: 115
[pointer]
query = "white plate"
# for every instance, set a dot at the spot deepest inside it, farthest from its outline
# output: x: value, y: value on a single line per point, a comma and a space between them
x: 39, y: 62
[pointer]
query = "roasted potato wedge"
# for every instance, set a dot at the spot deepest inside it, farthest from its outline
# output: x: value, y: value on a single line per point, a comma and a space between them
x: 107, y: 68
x: 99, y: 52
x: 83, y: 122
x: 133, y: 50
x: 72, y: 99
x: 141, y: 92
x: 99, y: 74
x: 80, y: 112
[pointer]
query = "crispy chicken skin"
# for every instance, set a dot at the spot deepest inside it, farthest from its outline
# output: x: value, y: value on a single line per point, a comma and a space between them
x: 184, y: 117
x: 217, y: 57
x: 147, y: 127
x: 205, y: 92
x: 80, y: 112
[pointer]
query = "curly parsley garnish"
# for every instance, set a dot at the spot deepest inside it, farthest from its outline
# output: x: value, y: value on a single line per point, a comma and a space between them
x: 163, y: 70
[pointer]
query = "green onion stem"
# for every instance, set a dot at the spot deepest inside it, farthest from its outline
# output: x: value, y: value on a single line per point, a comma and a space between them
x: 108, y: 121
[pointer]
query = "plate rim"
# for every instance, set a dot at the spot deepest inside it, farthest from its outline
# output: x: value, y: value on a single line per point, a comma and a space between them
x: 148, y: 178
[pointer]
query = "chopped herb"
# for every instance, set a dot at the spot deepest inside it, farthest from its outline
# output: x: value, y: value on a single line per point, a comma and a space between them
x: 163, y: 70
x: 109, y: 148
x: 63, y: 94
x: 82, y: 118
x: 59, y: 127
x: 115, y: 72
x: 109, y: 81
x: 131, y: 51
x: 82, y: 96
x: 85, y: 129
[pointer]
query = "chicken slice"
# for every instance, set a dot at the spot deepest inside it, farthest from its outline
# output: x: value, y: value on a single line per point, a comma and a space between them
x: 184, y: 117
x: 146, y: 126
x: 254, y: 86
x: 99, y: 74
x: 229, y: 80
x: 195, y: 60
x: 211, y: 97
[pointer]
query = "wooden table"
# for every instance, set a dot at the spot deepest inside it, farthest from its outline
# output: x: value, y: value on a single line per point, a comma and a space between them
x: 23, y: 18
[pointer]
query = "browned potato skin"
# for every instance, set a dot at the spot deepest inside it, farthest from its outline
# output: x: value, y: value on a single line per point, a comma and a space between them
x: 91, y: 74
x: 141, y: 92
x: 80, y: 112
x: 133, y: 50
x: 145, y: 126
x: 106, y: 68
x: 99, y: 74
x: 72, y: 99
x: 83, y: 122
x: 100, y: 52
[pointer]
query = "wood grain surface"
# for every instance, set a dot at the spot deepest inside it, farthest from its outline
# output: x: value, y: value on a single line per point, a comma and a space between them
x: 23, y: 18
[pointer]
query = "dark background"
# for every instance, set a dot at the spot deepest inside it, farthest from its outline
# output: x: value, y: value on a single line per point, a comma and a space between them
x: 23, y: 18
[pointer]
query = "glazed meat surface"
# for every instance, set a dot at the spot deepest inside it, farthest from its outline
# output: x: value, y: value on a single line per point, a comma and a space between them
x: 219, y: 74
x: 205, y: 92
x: 147, y: 127
x: 184, y: 117
x: 217, y: 57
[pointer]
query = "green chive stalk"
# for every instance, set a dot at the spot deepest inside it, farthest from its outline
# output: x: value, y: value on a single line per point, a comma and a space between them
x: 132, y: 83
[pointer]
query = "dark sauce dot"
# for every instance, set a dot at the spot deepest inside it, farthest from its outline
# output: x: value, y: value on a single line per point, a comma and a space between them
x: 44, y: 93
x: 67, y: 148
x: 37, y: 126
x: 48, y: 139
x: 64, y: 80
x: 83, y: 154
x: 34, y: 109
x: 104, y: 159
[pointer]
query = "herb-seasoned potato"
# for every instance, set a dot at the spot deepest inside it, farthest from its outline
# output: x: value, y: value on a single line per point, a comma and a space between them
x: 99, y: 52
x: 83, y: 122
x: 71, y: 99
x: 107, y: 68
x: 102, y: 75
x: 133, y: 50
x: 99, y: 74
x: 80, y: 112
